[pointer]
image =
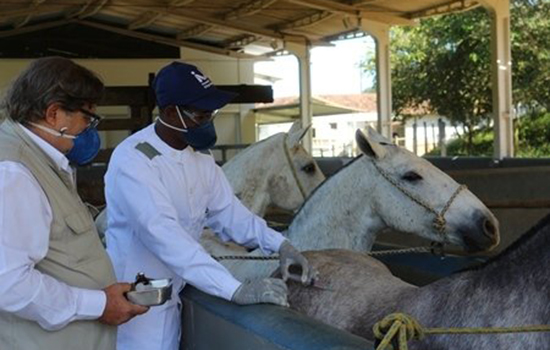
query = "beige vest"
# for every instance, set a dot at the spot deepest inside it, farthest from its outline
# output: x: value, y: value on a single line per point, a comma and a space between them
x: 75, y: 254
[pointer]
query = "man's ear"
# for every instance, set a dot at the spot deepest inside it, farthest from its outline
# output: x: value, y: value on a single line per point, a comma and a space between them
x: 52, y: 113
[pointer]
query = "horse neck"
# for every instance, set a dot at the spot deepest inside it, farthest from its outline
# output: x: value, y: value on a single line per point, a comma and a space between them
x: 336, y: 216
x: 513, y: 287
x: 247, y: 171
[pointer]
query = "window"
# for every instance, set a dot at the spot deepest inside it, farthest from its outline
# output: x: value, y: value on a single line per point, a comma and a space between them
x: 333, y: 125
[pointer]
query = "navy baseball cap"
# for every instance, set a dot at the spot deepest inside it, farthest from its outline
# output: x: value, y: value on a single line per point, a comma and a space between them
x: 181, y: 84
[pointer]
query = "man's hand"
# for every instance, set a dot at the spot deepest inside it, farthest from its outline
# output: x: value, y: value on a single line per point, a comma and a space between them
x: 288, y: 255
x: 118, y: 309
x: 261, y: 291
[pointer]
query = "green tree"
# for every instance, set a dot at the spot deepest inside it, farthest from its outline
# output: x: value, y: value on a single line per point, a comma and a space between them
x: 443, y: 66
x: 534, y: 138
x: 531, y: 54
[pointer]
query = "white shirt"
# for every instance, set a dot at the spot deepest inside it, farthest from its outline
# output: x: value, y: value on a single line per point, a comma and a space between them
x: 25, y: 222
x: 157, y: 209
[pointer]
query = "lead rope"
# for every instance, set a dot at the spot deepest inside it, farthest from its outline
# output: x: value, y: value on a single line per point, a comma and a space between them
x: 293, y: 168
x: 439, y: 222
x: 425, y: 249
x: 402, y: 328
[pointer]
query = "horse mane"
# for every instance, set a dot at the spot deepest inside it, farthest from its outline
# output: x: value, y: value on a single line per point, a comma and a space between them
x: 523, y: 240
x: 325, y: 182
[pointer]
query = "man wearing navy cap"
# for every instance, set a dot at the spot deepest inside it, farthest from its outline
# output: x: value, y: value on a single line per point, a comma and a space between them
x: 161, y: 194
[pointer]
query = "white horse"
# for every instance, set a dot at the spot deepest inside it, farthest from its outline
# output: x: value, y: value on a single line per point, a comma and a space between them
x: 512, y: 289
x: 386, y: 187
x: 277, y: 171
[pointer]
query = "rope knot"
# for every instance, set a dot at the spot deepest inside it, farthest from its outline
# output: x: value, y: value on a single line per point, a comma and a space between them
x: 440, y: 224
x: 397, y: 324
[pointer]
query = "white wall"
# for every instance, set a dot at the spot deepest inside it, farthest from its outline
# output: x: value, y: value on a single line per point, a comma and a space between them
x: 134, y: 72
x: 334, y: 135
x: 113, y: 72
x: 432, y: 133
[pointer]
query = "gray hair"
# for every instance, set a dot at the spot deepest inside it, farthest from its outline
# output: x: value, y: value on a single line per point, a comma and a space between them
x: 51, y: 80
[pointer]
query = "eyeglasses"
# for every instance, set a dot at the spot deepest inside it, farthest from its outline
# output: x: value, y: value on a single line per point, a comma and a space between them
x: 199, y: 117
x: 95, y: 119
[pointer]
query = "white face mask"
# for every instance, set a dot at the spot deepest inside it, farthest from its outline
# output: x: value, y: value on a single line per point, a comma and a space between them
x: 60, y: 133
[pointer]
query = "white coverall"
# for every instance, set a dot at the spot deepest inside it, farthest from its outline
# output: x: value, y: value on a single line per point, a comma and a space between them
x: 157, y: 209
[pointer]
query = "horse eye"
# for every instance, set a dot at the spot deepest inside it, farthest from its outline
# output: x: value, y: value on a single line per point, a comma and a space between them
x: 411, y: 176
x: 309, y: 168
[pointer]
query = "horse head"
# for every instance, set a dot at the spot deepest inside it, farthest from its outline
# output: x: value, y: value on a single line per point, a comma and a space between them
x: 413, y: 196
x: 276, y: 171
x: 298, y: 174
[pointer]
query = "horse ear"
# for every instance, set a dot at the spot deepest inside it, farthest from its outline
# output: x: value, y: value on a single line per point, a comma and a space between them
x: 296, y: 133
x: 368, y: 144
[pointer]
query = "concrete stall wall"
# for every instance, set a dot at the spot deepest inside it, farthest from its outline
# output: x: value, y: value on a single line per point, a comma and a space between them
x: 212, y: 323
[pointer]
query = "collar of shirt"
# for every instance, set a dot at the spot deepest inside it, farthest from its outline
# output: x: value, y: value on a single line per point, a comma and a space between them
x: 166, y: 150
x: 58, y: 157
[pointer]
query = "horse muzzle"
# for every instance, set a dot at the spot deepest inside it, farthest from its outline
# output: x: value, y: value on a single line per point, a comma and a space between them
x: 482, y: 234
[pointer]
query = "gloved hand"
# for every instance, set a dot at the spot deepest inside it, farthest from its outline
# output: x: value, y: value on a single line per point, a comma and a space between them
x: 288, y: 255
x: 261, y: 291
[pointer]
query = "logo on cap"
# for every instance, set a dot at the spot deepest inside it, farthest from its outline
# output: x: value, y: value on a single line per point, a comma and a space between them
x: 205, y: 82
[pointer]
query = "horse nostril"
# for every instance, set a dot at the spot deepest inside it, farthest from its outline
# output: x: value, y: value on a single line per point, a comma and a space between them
x: 489, y: 228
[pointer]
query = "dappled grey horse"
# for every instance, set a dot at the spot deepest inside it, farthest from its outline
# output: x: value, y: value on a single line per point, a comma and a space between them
x: 512, y: 289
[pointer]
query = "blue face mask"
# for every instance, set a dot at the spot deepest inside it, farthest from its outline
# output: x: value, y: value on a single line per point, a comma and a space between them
x: 202, y: 137
x: 86, y: 147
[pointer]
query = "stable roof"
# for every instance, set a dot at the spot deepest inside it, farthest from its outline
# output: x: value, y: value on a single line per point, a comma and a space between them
x: 236, y: 28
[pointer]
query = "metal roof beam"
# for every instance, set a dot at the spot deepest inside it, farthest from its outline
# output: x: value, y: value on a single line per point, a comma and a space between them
x: 448, y: 7
x: 80, y: 10
x: 26, y: 11
x: 193, y: 31
x: 240, y: 41
x: 248, y: 9
x: 350, y: 10
x: 307, y: 21
x: 166, y: 40
x: 92, y: 9
x: 150, y: 17
x: 144, y: 20
x: 33, y: 28
x: 33, y: 8
x: 198, y: 17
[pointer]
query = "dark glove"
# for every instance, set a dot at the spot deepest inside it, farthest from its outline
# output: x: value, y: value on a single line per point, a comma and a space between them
x: 288, y: 255
x: 261, y: 291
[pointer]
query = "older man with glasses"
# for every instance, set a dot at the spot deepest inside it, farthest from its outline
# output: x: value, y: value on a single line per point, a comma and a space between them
x: 58, y: 287
x: 161, y: 193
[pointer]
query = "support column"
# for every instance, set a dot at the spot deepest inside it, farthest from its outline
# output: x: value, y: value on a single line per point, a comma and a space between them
x: 501, y: 64
x: 381, y: 34
x: 302, y: 53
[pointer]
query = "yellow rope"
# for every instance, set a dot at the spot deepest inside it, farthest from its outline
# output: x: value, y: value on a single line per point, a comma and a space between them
x: 408, y: 328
